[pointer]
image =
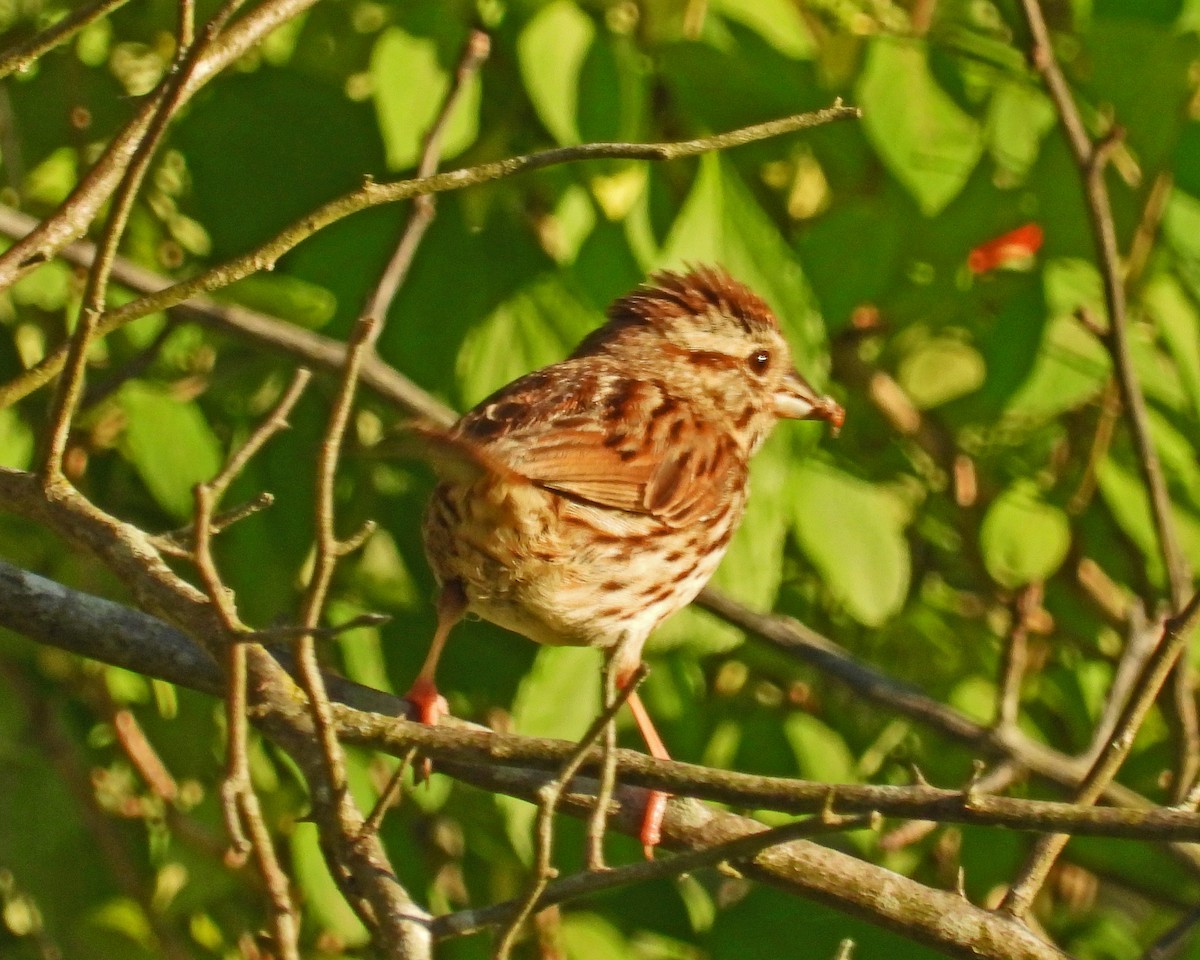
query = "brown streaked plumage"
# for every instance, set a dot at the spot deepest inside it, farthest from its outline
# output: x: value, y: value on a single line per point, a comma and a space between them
x: 588, y: 501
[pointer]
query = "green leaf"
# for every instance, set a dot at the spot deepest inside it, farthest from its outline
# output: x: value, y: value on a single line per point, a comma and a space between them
x: 551, y: 52
x: 1072, y: 283
x: 409, y: 84
x: 721, y: 222
x: 821, y: 752
x: 1023, y: 539
x: 1019, y: 117
x: 1125, y: 496
x: 304, y: 304
x: 921, y: 135
x: 589, y: 936
x: 47, y: 288
x: 322, y: 900
x: 124, y: 916
x: 976, y: 697
x: 540, y: 325
x: 49, y: 183
x: 170, y: 444
x: 16, y: 440
x: 941, y: 369
x: 559, y: 697
x: 1071, y: 365
x: 1177, y: 320
x: 853, y: 532
x: 779, y: 22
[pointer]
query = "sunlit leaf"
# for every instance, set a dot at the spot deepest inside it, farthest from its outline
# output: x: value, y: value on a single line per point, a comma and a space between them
x: 409, y: 85
x: 853, y: 533
x: 976, y: 697
x: 922, y: 136
x: 779, y: 22
x: 1019, y: 117
x: 124, y: 916
x: 559, y: 698
x: 16, y: 440
x: 170, y: 445
x: 322, y: 900
x: 1023, y: 539
x: 52, y: 179
x: 289, y: 298
x: 722, y: 223
x: 588, y: 936
x: 540, y: 325
x: 821, y: 752
x: 1125, y: 497
x: 1179, y: 323
x: 1071, y: 368
x: 939, y: 370
x: 551, y: 52
x: 47, y: 288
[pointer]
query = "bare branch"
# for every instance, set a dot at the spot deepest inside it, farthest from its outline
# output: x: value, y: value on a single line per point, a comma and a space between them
x: 21, y: 56
x: 72, y: 217
x: 372, y: 194
x: 1176, y: 633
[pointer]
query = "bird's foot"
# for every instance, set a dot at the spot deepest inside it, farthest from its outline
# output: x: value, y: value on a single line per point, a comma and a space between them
x: 651, y: 835
x: 430, y: 705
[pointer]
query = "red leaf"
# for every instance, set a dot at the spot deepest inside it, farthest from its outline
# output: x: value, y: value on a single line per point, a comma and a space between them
x: 1016, y: 245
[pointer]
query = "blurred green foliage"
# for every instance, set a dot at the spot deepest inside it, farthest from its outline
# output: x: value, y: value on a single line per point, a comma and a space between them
x: 965, y: 470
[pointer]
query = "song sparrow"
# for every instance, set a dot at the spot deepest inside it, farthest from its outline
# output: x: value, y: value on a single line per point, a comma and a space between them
x: 588, y: 501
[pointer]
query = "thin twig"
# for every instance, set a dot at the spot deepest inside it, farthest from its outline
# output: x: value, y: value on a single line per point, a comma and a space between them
x: 591, y: 882
x: 389, y: 795
x: 95, y: 293
x: 329, y: 550
x: 240, y: 807
x: 181, y: 543
x: 1176, y: 632
x: 372, y: 194
x: 332, y: 632
x: 1110, y: 410
x: 1025, y: 604
x: 549, y: 796
x: 598, y: 821
x: 73, y: 216
x: 277, y: 335
x: 1092, y: 161
x: 1170, y: 944
x: 21, y: 56
x: 1147, y: 229
x: 1141, y: 637
x: 475, y: 52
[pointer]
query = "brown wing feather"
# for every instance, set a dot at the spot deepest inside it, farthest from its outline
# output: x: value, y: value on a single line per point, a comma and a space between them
x: 609, y: 440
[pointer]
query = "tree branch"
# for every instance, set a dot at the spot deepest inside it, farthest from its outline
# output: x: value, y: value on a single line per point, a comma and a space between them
x: 372, y: 194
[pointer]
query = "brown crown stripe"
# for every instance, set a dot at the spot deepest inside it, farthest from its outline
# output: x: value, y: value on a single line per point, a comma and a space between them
x: 669, y: 296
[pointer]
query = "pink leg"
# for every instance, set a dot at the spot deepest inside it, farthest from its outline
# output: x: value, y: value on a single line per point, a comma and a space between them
x: 656, y: 803
x: 423, y: 695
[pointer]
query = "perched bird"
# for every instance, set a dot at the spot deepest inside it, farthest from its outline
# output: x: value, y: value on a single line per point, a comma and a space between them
x: 588, y: 501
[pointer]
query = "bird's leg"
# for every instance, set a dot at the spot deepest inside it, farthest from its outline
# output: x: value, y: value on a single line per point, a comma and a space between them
x: 431, y: 705
x: 656, y: 801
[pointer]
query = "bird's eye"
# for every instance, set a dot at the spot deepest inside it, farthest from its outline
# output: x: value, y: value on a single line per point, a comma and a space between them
x: 759, y: 360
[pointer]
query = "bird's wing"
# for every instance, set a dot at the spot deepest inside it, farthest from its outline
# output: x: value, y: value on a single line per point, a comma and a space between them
x: 608, y: 440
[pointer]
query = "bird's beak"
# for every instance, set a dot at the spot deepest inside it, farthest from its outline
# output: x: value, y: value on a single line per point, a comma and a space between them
x: 796, y: 400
